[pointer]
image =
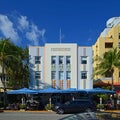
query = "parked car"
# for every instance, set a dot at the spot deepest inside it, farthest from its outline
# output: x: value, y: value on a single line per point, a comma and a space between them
x: 76, y: 106
x: 56, y: 106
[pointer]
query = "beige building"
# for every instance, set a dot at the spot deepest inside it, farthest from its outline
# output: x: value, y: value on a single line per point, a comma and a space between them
x: 109, y: 38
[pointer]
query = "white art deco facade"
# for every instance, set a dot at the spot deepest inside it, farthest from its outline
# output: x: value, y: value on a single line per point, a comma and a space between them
x: 60, y: 66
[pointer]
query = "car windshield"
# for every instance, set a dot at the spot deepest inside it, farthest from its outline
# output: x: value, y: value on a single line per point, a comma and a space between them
x: 67, y: 103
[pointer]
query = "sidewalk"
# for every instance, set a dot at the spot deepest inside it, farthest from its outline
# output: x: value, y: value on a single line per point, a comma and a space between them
x: 115, y: 111
x: 42, y: 111
x: 112, y: 111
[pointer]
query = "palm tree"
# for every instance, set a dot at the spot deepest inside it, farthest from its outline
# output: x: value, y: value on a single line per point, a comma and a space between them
x: 19, y: 77
x: 107, y: 64
x: 7, y: 52
x: 14, y: 62
x: 25, y: 66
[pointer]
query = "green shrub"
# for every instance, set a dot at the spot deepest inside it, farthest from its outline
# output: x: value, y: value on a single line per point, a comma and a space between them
x: 49, y: 106
x: 22, y: 106
x: 100, y: 106
x: 1, y: 104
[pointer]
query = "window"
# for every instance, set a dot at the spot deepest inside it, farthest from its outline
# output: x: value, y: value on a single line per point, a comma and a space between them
x: 37, y: 74
x: 119, y: 36
x: 108, y: 45
x: 84, y: 75
x: 68, y: 59
x: 119, y: 73
x: 37, y: 82
x: 53, y: 75
x: 83, y: 60
x: 53, y: 59
x: 61, y: 75
x: 37, y: 59
x: 119, y: 45
x: 60, y: 59
x: 68, y: 75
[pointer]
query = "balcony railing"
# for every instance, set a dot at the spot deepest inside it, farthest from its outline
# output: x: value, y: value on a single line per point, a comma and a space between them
x: 53, y: 67
x: 61, y: 67
x: 68, y: 67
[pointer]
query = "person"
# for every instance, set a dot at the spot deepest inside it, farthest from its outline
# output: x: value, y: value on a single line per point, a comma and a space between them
x: 108, y: 104
x: 28, y: 106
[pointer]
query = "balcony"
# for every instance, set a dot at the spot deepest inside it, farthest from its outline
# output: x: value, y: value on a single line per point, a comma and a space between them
x: 68, y: 67
x: 60, y: 67
x: 53, y: 67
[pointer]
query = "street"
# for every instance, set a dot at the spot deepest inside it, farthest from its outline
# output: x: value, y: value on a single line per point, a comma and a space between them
x: 48, y: 115
x: 31, y: 116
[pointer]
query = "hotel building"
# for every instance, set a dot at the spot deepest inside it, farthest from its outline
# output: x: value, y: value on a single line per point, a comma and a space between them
x: 60, y: 66
x: 109, y: 38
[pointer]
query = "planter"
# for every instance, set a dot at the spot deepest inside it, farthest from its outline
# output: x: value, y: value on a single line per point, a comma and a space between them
x: 22, y: 106
x: 22, y: 109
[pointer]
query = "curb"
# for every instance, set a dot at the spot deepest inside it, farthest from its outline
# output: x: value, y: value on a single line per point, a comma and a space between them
x: 1, y: 111
x: 41, y: 111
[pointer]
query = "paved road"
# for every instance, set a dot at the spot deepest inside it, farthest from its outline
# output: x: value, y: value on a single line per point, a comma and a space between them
x: 31, y: 116
x: 43, y: 115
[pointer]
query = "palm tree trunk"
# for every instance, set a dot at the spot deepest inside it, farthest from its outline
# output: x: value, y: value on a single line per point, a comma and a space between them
x: 112, y: 85
x: 4, y: 85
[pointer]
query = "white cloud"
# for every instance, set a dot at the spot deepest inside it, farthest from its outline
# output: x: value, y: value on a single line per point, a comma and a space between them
x: 31, y: 31
x: 42, y: 33
x: 35, y: 35
x: 18, y: 28
x: 89, y: 39
x: 23, y: 23
x: 7, y: 29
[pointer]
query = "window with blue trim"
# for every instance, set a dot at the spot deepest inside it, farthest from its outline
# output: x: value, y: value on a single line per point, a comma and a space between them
x: 84, y: 75
x: 83, y: 60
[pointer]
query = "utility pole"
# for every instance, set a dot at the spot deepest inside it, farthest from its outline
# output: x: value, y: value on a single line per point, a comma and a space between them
x: 60, y: 36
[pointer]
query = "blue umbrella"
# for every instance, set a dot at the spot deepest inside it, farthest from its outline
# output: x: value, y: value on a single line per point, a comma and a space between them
x: 52, y: 90
x: 72, y: 90
x: 100, y: 90
x: 49, y: 90
x: 22, y: 91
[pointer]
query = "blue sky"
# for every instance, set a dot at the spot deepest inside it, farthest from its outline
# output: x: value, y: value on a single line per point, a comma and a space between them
x: 36, y: 22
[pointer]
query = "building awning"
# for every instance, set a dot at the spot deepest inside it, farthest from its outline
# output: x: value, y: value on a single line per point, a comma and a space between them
x: 100, y: 82
x: 117, y: 91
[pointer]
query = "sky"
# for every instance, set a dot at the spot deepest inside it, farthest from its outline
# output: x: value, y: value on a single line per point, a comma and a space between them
x: 36, y: 22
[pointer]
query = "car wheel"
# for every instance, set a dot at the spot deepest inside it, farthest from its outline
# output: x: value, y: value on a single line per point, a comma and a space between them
x: 88, y: 110
x: 60, y: 111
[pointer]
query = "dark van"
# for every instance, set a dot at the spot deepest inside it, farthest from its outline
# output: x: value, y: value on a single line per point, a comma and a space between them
x: 76, y: 106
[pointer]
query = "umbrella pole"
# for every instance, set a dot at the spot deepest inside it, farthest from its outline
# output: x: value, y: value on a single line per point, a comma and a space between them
x: 50, y: 101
